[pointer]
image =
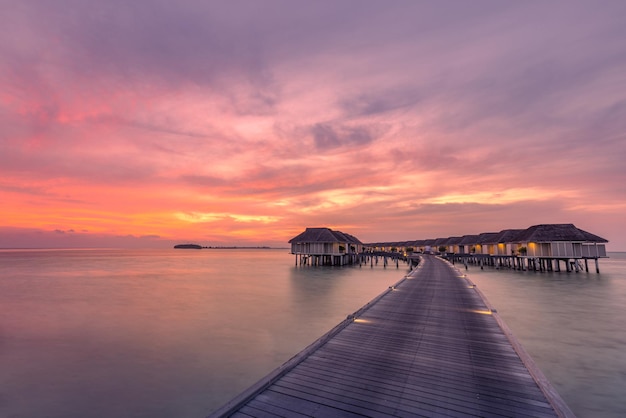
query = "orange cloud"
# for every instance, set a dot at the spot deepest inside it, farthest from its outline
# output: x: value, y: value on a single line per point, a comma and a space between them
x: 386, y: 130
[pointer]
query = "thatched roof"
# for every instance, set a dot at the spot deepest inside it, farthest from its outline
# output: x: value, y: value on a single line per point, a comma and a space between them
x: 487, y: 238
x: 324, y: 235
x: 507, y: 236
x: 353, y: 239
x: 453, y: 241
x: 440, y: 241
x: 503, y: 237
x: 557, y: 232
x: 469, y: 240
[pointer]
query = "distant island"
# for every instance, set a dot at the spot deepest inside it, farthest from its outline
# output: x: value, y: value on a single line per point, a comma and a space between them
x: 188, y: 246
x: 199, y: 247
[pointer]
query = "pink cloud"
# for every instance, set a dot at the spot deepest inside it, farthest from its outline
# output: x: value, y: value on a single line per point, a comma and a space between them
x: 251, y: 124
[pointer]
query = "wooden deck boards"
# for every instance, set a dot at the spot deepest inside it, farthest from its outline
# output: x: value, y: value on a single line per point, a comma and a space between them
x: 430, y: 346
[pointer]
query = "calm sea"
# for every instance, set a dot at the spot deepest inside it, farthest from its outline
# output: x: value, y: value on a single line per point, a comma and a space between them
x: 177, y: 333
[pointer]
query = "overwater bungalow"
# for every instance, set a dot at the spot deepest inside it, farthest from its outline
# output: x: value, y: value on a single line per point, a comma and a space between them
x: 323, y: 246
x: 467, y: 245
x: 452, y: 244
x: 485, y: 243
x: 439, y: 243
x: 561, y: 241
x: 418, y: 245
x: 406, y: 247
x: 505, y: 241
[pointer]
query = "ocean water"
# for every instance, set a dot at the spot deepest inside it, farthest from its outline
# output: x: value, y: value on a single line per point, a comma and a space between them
x: 177, y: 333
x: 160, y: 333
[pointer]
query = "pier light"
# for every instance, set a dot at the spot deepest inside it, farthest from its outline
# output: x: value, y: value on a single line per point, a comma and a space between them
x: 362, y: 321
x: 481, y: 311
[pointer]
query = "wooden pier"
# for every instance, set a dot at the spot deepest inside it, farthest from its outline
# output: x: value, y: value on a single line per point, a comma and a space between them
x: 430, y: 345
x: 371, y: 257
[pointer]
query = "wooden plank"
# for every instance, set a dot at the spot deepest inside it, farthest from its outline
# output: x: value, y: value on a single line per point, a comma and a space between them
x: 286, y: 405
x: 410, y: 400
x: 264, y: 407
x: 427, y: 384
x: 340, y: 403
x: 424, y: 389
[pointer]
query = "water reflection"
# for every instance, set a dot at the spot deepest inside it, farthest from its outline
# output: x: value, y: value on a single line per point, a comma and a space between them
x: 178, y: 333
x: 150, y: 333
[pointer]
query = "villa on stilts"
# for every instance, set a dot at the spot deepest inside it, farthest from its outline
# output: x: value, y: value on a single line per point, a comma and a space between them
x: 549, y: 245
x: 325, y: 247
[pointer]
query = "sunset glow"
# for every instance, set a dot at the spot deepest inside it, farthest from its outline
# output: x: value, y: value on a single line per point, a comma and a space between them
x: 242, y: 124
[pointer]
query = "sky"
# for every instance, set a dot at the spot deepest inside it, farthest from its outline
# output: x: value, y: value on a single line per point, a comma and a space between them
x: 148, y: 123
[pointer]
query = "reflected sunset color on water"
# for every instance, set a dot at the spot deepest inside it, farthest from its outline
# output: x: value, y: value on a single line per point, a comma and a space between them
x: 161, y: 333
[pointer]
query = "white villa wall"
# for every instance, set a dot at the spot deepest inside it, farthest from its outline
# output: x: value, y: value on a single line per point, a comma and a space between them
x: 593, y: 250
x: 315, y: 248
x: 534, y: 249
x: 562, y: 249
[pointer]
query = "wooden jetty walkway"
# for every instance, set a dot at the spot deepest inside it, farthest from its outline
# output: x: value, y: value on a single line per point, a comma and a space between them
x: 430, y: 345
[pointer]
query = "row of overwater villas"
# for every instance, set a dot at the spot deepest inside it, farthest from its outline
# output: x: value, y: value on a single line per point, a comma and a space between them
x: 545, y: 241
